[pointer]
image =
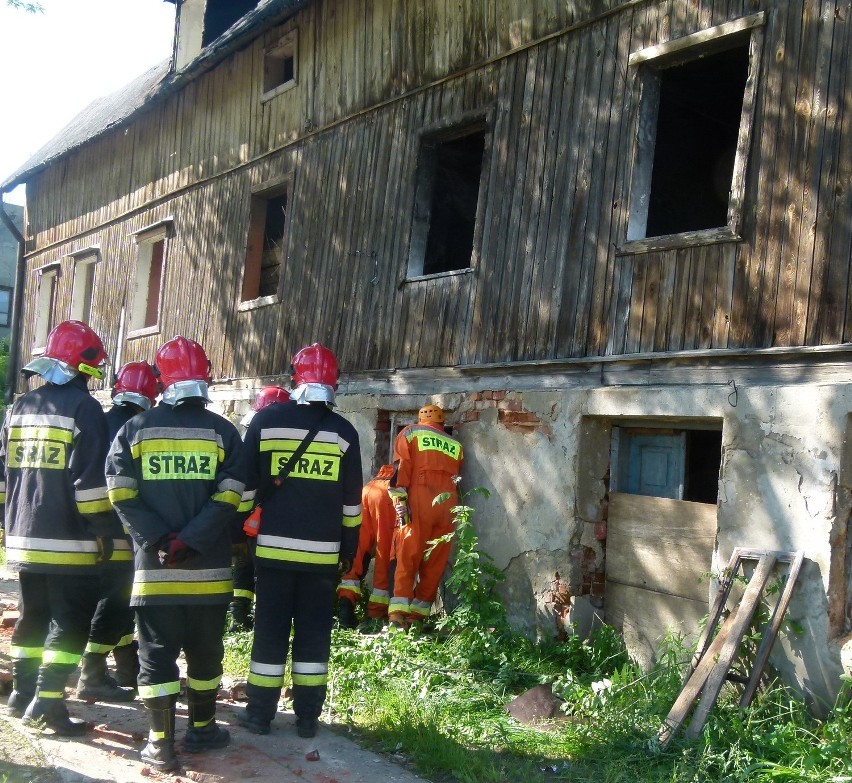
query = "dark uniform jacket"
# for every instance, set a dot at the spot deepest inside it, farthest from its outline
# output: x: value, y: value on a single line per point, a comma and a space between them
x: 313, y: 519
x: 178, y: 470
x: 52, y: 448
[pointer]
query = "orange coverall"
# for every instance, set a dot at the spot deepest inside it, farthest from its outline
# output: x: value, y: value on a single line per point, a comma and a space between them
x: 428, y: 459
x: 378, y: 520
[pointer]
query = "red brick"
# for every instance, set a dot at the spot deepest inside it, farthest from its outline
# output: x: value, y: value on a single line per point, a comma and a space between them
x: 9, y: 618
x: 488, y: 395
x: 499, y: 395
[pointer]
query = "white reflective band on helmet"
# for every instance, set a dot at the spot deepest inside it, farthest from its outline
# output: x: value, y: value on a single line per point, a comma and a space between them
x: 134, y: 398
x: 313, y: 392
x: 180, y: 391
x: 54, y: 371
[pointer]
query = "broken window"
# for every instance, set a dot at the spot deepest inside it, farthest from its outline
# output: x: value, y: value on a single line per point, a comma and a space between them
x: 678, y: 464
x: 265, y: 246
x: 45, y: 319
x: 446, y: 201
x: 148, y: 281
x: 694, y: 125
x: 219, y: 15
x: 279, y: 67
x: 83, y: 287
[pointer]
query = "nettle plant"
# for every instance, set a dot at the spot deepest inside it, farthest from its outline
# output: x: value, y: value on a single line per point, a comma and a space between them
x: 474, y: 576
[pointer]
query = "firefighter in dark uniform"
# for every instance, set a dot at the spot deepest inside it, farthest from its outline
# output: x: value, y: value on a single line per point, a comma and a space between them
x: 174, y: 477
x: 134, y: 390
x: 243, y: 559
x: 59, y: 524
x: 307, y: 531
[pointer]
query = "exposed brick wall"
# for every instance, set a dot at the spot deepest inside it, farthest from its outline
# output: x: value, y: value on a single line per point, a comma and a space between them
x: 510, y: 410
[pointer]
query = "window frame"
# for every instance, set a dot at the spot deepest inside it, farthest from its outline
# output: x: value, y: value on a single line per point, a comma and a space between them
x: 653, y: 59
x: 468, y: 124
x: 45, y: 305
x: 286, y: 45
x: 11, y: 291
x: 145, y: 240
x: 84, y: 265
x: 255, y: 232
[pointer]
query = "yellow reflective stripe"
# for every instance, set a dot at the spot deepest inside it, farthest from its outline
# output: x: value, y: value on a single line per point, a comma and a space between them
x: 265, y: 680
x: 117, y: 495
x: 121, y: 556
x: 399, y: 605
x: 287, y: 444
x: 57, y: 656
x: 51, y: 694
x: 92, y: 647
x: 182, y: 588
x: 246, y: 505
x: 203, y: 685
x: 229, y: 497
x: 24, y: 653
x: 197, y: 724
x: 238, y: 593
x: 2, y: 498
x: 94, y: 506
x: 41, y: 433
x: 163, y: 689
x: 379, y: 599
x: 153, y: 736
x: 50, y: 558
x: 309, y: 679
x: 352, y: 521
x: 125, y: 640
x: 296, y: 556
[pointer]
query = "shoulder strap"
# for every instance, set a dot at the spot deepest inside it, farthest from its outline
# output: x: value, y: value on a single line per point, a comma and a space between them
x: 294, y: 457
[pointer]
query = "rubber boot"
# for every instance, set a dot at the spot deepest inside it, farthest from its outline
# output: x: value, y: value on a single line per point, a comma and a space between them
x: 346, y: 613
x: 126, y: 664
x: 203, y: 732
x: 52, y: 713
x: 306, y: 727
x: 159, y: 751
x: 95, y: 683
x: 24, y: 681
x: 241, y: 619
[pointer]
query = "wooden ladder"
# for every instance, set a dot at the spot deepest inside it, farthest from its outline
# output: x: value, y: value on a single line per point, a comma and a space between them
x: 715, y: 652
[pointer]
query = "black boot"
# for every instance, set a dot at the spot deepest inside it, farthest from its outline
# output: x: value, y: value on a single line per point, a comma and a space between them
x: 159, y: 751
x: 203, y: 732
x: 126, y: 664
x: 95, y: 684
x: 241, y: 619
x: 53, y: 714
x: 306, y: 727
x: 346, y: 613
x: 24, y: 681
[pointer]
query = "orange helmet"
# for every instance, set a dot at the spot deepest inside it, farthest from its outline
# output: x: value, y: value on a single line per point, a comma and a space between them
x: 135, y: 382
x: 430, y: 414
x: 315, y: 364
x: 182, y: 359
x: 269, y: 394
x: 77, y: 344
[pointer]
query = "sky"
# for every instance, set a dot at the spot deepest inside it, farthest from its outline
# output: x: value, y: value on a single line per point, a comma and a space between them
x: 54, y: 63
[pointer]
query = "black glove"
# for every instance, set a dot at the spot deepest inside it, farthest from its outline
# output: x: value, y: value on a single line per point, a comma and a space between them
x: 105, y: 548
x: 343, y: 567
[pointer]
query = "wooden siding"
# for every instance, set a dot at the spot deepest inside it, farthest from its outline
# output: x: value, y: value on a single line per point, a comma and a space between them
x: 548, y: 280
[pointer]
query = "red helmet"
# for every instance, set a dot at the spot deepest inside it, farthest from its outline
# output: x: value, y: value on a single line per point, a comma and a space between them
x: 182, y: 359
x: 315, y: 364
x: 77, y: 344
x: 136, y: 378
x: 269, y: 394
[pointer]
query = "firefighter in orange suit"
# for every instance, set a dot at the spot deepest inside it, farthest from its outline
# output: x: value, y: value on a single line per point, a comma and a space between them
x: 60, y: 527
x: 378, y: 520
x: 174, y: 478
x: 427, y: 460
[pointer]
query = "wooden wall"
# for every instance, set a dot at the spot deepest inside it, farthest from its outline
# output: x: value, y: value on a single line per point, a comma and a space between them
x: 548, y: 281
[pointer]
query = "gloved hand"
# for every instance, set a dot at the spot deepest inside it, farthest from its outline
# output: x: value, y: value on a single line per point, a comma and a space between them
x: 105, y: 548
x: 177, y: 552
x: 399, y: 498
x: 343, y: 566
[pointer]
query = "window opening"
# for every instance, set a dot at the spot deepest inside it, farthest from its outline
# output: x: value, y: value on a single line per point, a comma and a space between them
x: 219, y: 15
x: 5, y: 306
x: 446, y: 203
x: 279, y: 66
x: 147, y: 287
x: 677, y: 464
x: 83, y: 288
x: 265, y: 247
x: 45, y: 316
